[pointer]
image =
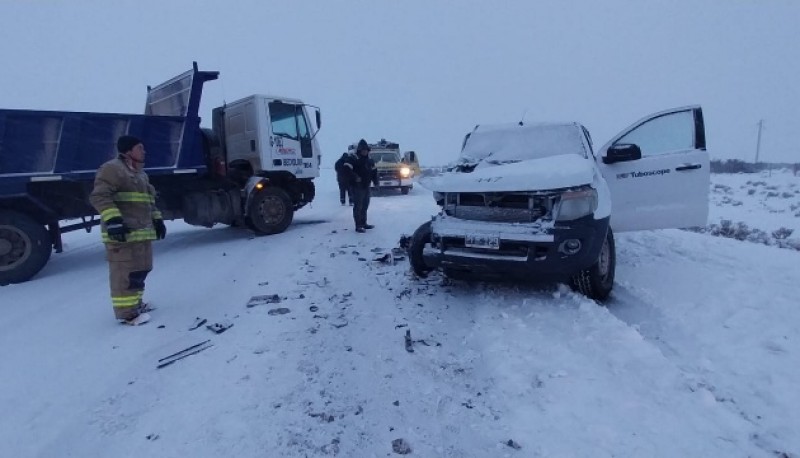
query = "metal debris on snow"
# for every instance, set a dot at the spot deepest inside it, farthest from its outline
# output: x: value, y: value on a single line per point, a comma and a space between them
x: 265, y: 299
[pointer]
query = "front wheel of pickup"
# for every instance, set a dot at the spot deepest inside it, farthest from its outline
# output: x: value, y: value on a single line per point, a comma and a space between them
x: 420, y: 238
x: 596, y: 281
x: 25, y: 247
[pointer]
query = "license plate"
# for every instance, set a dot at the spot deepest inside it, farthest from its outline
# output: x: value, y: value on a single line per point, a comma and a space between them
x: 487, y: 241
x: 388, y: 183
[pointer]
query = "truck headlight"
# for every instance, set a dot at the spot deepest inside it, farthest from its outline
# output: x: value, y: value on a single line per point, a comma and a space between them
x: 405, y: 172
x: 576, y: 204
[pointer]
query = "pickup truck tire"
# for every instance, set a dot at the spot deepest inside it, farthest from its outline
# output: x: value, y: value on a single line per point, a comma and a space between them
x: 596, y: 281
x: 420, y: 238
x: 270, y: 211
x: 405, y: 190
x: 25, y: 247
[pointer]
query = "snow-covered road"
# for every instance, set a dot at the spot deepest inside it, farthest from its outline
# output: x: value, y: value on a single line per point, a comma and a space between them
x: 695, y: 355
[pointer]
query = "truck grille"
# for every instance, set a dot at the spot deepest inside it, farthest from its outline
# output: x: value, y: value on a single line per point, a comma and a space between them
x: 499, y: 207
x: 388, y: 174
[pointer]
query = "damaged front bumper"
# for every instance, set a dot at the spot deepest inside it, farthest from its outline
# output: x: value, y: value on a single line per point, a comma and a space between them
x: 541, y: 249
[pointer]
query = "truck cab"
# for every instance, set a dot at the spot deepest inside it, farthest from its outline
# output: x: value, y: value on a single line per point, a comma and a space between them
x: 535, y: 200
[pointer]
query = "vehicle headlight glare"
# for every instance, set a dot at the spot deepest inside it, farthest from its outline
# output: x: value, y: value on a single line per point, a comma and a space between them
x: 405, y: 172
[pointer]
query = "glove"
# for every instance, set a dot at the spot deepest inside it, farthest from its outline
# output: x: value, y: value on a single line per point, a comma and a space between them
x: 116, y: 229
x: 161, y: 229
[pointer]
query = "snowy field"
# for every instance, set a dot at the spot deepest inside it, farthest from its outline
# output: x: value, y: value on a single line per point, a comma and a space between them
x: 695, y: 355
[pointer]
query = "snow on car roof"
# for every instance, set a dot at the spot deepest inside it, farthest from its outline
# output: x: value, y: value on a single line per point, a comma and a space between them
x: 508, y: 143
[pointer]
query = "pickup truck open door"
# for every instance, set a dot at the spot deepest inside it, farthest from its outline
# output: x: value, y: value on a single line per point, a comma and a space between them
x: 657, y: 171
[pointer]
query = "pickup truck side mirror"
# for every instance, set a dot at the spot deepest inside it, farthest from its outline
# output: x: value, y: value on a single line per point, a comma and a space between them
x: 622, y: 152
x: 319, y: 119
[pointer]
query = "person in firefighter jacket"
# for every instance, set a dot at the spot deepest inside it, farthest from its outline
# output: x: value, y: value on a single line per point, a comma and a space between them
x: 130, y: 221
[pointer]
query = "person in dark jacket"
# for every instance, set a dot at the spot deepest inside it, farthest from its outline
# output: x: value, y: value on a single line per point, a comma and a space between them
x: 343, y: 179
x: 362, y: 173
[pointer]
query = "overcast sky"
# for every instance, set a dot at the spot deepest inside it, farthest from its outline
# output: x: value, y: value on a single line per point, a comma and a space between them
x: 423, y: 73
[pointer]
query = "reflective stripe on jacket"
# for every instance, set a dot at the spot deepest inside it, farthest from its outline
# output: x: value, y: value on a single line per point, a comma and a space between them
x: 121, y: 192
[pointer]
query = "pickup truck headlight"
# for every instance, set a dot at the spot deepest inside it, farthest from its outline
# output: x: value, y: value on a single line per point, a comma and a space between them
x: 576, y: 204
x: 405, y: 172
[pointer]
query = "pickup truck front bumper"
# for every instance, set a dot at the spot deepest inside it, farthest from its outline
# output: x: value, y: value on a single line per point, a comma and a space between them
x: 395, y: 183
x: 542, y: 250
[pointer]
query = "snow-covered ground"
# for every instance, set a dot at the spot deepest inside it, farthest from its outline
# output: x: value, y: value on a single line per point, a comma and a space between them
x: 695, y: 355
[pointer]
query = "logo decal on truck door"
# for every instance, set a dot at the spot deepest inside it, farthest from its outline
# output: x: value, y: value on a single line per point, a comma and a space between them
x: 648, y: 173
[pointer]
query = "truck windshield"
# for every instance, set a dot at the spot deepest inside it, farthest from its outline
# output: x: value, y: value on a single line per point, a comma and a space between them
x: 384, y: 157
x: 507, y: 144
x: 288, y: 120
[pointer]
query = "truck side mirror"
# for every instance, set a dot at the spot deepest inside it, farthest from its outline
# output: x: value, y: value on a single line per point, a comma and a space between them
x: 622, y: 152
x: 319, y: 119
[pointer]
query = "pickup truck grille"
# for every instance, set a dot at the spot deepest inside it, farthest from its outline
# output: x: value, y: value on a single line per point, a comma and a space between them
x: 499, y: 207
x: 388, y: 174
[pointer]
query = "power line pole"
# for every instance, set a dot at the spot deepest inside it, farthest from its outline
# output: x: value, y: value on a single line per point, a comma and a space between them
x: 758, y: 142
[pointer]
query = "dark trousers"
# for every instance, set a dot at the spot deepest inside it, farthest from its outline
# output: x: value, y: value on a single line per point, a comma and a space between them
x: 345, y: 188
x: 360, y: 205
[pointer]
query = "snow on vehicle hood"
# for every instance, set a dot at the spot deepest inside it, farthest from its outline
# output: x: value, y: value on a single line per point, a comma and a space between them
x: 553, y: 172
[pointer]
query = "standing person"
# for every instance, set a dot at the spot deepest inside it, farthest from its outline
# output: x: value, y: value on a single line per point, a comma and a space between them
x: 343, y: 179
x: 130, y: 221
x: 362, y: 173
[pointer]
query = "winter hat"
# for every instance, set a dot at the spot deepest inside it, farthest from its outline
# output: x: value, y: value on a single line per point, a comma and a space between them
x: 126, y: 143
x: 362, y: 145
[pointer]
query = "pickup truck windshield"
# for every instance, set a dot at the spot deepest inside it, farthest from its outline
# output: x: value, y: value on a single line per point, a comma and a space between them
x: 506, y: 144
x: 385, y: 157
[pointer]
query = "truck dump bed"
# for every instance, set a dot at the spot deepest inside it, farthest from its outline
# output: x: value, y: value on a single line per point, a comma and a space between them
x: 59, y: 145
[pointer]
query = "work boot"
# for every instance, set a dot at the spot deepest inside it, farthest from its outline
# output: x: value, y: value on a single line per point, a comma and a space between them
x: 368, y: 226
x: 360, y: 230
x: 342, y: 202
x: 139, y: 319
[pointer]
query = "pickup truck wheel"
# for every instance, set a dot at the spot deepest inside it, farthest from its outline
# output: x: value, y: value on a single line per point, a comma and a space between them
x: 25, y: 247
x: 404, y: 190
x: 596, y: 281
x: 271, y: 211
x: 420, y: 238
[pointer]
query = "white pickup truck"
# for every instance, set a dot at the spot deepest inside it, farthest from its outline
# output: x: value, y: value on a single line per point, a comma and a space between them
x: 535, y: 201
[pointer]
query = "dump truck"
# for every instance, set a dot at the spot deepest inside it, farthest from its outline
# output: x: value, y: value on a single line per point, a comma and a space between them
x: 254, y: 167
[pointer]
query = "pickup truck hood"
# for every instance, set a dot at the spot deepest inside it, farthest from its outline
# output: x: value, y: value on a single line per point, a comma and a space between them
x: 553, y: 172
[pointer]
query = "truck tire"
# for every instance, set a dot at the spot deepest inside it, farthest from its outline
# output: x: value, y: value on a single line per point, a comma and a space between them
x: 420, y: 238
x: 270, y: 211
x: 596, y: 281
x: 25, y: 247
x: 405, y: 190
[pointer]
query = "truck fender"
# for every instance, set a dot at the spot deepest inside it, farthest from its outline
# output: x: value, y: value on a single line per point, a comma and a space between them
x: 254, y: 184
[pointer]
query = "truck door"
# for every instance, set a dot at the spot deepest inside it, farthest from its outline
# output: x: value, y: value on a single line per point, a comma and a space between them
x: 290, y: 138
x: 658, y: 172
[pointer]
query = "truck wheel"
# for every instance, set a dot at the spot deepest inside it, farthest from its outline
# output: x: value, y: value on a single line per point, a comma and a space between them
x: 271, y: 211
x: 25, y: 247
x: 420, y: 238
x: 404, y: 190
x: 596, y: 281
